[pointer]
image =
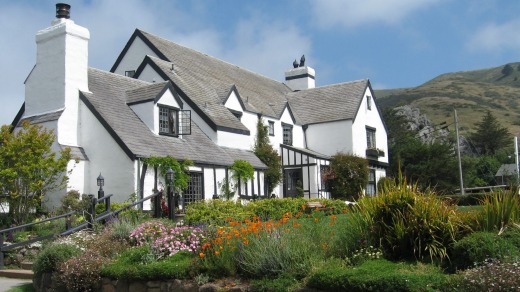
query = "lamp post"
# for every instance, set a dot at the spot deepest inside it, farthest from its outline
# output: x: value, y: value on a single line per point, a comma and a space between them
x: 170, y: 177
x: 100, y: 183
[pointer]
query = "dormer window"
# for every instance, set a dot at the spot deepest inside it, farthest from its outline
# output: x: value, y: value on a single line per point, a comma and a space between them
x: 168, y: 120
x: 130, y: 73
x: 237, y: 114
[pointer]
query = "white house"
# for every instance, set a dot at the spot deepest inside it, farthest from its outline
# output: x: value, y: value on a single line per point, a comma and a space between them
x: 163, y: 99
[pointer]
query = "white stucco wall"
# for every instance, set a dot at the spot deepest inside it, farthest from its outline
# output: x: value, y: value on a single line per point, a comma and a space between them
x: 105, y: 157
x: 371, y: 118
x: 233, y: 140
x: 150, y: 75
x: 145, y: 111
x: 286, y: 118
x: 330, y: 138
x: 134, y: 56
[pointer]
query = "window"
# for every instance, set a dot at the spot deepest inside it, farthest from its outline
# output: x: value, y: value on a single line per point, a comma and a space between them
x: 369, y: 102
x: 168, y: 121
x: 194, y: 191
x: 271, y: 128
x: 371, y: 138
x: 325, y: 173
x: 371, y: 186
x: 130, y: 73
x: 287, y: 134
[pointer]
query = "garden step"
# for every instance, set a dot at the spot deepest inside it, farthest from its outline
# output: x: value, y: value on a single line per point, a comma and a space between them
x: 26, y: 265
x: 17, y: 274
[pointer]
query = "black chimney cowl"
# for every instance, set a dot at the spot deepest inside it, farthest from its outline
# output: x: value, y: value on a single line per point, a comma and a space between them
x: 62, y: 10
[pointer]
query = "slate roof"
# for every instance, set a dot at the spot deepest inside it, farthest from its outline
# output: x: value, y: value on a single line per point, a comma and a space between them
x: 506, y: 170
x: 328, y: 103
x: 207, y: 81
x: 107, y: 99
x: 201, y: 72
x: 145, y: 93
x: 37, y: 119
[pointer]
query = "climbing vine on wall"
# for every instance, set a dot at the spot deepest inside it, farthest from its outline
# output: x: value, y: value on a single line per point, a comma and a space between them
x: 181, y: 169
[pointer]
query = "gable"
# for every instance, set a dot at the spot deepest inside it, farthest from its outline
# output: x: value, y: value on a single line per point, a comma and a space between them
x: 233, y: 101
x: 133, y: 54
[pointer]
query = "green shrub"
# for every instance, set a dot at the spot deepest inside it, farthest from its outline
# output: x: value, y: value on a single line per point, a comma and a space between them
x: 135, y: 264
x: 52, y: 256
x: 282, y: 283
x: 121, y: 228
x: 379, y: 275
x: 479, y: 246
x: 81, y: 273
x: 274, y: 254
x: 351, y: 233
x: 499, y: 210
x: 214, y: 212
x: 347, y: 176
x: 408, y: 224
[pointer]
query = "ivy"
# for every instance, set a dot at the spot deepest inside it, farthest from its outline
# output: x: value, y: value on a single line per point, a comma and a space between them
x: 242, y: 170
x: 181, y: 169
x: 269, y: 156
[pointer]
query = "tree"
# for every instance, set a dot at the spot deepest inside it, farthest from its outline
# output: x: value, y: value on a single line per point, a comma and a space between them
x: 269, y: 156
x: 347, y: 176
x: 508, y: 69
x: 427, y: 164
x: 490, y: 136
x: 29, y: 169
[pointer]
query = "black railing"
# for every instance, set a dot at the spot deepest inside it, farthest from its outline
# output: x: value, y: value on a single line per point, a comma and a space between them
x: 92, y: 218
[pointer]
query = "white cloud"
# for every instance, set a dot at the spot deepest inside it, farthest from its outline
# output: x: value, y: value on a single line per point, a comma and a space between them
x: 267, y: 47
x: 494, y: 37
x: 353, y: 13
x: 256, y: 42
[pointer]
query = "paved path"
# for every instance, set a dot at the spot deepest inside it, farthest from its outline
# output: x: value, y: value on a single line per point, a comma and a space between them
x: 8, y: 283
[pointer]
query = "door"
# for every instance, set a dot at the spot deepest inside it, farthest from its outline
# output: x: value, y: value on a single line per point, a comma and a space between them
x: 293, y: 183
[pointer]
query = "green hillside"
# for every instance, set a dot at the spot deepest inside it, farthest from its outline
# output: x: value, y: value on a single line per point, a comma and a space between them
x: 472, y: 93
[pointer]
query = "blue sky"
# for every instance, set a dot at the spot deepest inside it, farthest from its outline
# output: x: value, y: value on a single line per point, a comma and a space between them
x: 394, y: 43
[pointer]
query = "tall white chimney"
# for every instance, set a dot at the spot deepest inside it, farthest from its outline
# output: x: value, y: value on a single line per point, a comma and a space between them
x: 61, y: 70
x: 300, y: 77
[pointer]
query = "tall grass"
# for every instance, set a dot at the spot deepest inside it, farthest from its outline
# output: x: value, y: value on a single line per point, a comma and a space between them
x: 499, y: 210
x: 409, y: 224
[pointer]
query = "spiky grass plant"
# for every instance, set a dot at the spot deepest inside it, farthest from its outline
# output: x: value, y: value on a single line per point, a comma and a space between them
x: 499, y: 210
x: 409, y: 224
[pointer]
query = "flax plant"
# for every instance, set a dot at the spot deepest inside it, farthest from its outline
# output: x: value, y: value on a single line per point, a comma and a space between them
x: 409, y: 224
x: 499, y: 210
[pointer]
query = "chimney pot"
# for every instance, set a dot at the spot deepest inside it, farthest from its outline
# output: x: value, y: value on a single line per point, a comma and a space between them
x: 62, y: 10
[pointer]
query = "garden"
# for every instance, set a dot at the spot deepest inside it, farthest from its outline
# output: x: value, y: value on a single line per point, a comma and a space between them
x: 401, y: 240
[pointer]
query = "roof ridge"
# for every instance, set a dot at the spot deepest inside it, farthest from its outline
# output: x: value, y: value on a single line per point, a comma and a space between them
x: 210, y: 56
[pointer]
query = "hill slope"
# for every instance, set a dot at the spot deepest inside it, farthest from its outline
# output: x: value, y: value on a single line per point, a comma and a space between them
x: 472, y: 93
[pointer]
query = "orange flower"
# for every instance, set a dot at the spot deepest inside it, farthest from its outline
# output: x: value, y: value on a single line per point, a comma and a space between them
x: 333, y: 217
x: 344, y: 211
x: 303, y: 206
x: 201, y: 255
x: 217, y: 252
x: 316, y: 219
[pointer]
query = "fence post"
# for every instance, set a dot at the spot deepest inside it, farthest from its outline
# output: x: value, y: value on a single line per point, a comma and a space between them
x: 91, y: 211
x: 1, y: 251
x: 67, y: 222
x: 157, y: 205
x: 107, y: 204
